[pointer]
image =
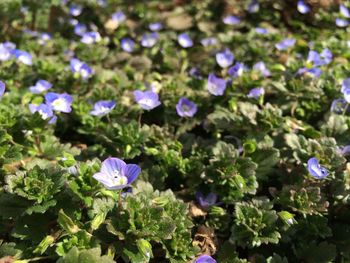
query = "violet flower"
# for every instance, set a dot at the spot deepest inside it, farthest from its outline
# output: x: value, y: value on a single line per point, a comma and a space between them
x: 40, y: 86
x: 261, y: 31
x: 285, y: 44
x: 44, y: 110
x: 302, y: 7
x: 315, y: 169
x: 231, y: 20
x: 340, y: 22
x: 91, y: 37
x: 127, y: 44
x: 75, y: 10
x: 205, y: 259
x: 210, y: 41
x: 186, y: 108
x: 345, y: 84
x: 148, y: 100
x: 2, y: 88
x: 23, y: 56
x: 338, y: 105
x: 155, y: 26
x: 115, y: 174
x: 206, y: 201
x: 80, y: 29
x: 184, y: 40
x: 81, y: 68
x: 256, y: 93
x: 260, y: 66
x: 215, y: 85
x: 224, y: 58
x: 236, y: 70
x: 103, y: 107
x: 253, y: 7
x: 149, y: 39
x: 59, y: 102
x: 344, y: 11
x: 118, y: 17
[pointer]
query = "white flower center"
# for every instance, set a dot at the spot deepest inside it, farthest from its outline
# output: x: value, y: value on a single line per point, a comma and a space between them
x: 119, y: 179
x: 58, y: 103
x: 43, y: 115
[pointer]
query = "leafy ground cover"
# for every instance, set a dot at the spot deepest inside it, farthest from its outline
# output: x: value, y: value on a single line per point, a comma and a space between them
x: 174, y: 131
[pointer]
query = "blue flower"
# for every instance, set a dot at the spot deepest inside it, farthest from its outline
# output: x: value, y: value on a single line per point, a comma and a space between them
x: 23, y: 56
x: 341, y: 22
x: 311, y: 72
x: 324, y: 58
x: 81, y: 68
x: 91, y: 37
x: 75, y: 10
x: 285, y: 44
x: 345, y: 84
x: 195, y: 72
x: 127, y: 44
x: 346, y: 93
x: 210, y: 41
x: 205, y: 259
x: 80, y: 29
x: 155, y: 26
x: 260, y: 66
x: 215, y: 85
x: 44, y: 110
x: 231, y: 20
x: 206, y: 201
x: 236, y: 70
x: 253, y: 6
x: 315, y: 169
x: 186, y: 108
x: 118, y: 17
x: 2, y: 88
x: 40, y: 86
x: 256, y: 93
x: 184, y: 40
x: 116, y: 174
x: 149, y: 39
x: 59, y: 102
x: 261, y: 31
x: 5, y: 52
x: 338, y: 105
x: 344, y: 11
x: 103, y: 107
x: 224, y: 58
x: 148, y: 100
x: 303, y: 7
x: 43, y: 38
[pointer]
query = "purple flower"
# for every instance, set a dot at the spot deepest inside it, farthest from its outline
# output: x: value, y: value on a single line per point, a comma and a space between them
x: 236, y: 70
x: 103, y: 107
x: 195, y: 72
x: 91, y: 37
x: 43, y: 38
x: 261, y: 31
x: 5, y: 52
x: 118, y: 17
x: 231, y: 20
x: 80, y: 29
x: 148, y: 100
x: 285, y: 44
x: 184, y: 40
x: 186, y: 108
x: 346, y: 93
x: 215, y: 85
x: 253, y: 6
x: 224, y: 58
x: 81, y: 68
x: 345, y: 84
x: 149, y: 39
x: 127, y: 44
x: 59, y: 102
x: 260, y: 66
x: 344, y: 11
x: 315, y: 169
x: 338, y: 105
x: 324, y: 58
x: 311, y: 72
x: 155, y: 26
x: 2, y: 88
x: 345, y: 150
x: 210, y: 41
x: 206, y: 201
x: 40, y: 86
x: 75, y: 10
x: 303, y: 8
x: 44, y: 110
x: 341, y: 22
x: 23, y: 56
x: 205, y: 259
x: 256, y: 93
x: 115, y: 174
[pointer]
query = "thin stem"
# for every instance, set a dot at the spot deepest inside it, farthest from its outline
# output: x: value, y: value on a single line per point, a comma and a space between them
x: 345, y: 109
